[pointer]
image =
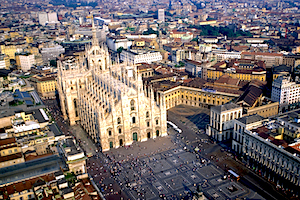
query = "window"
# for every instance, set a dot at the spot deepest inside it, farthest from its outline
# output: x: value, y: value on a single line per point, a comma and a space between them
x: 133, y: 120
x: 148, y: 124
x: 132, y: 105
x: 119, y: 120
x: 15, y: 150
x: 147, y: 114
x: 109, y: 132
x: 120, y: 131
x: 156, y: 121
x: 10, y: 151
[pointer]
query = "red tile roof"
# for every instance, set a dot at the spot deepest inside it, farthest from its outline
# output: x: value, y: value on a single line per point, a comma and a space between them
x: 7, y: 141
x: 24, y: 185
x: 262, y: 53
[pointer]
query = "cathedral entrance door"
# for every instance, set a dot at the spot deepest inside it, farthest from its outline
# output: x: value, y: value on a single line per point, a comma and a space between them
x: 111, y: 145
x: 157, y: 133
x: 134, y: 136
x: 121, y: 142
x: 148, y: 134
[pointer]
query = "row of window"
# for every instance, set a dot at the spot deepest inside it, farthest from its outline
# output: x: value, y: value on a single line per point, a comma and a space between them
x: 9, y: 152
x: 133, y: 120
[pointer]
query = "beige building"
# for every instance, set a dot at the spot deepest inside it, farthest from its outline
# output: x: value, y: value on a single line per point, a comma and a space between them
x: 222, y: 120
x: 109, y: 100
x: 74, y: 156
x: 270, y: 59
x: 253, y: 102
x: 9, y: 51
x: 25, y: 61
x: 45, y: 85
x: 10, y: 152
x: 145, y: 70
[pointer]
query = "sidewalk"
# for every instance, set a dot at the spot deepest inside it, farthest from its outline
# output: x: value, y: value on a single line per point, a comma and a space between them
x: 140, y: 149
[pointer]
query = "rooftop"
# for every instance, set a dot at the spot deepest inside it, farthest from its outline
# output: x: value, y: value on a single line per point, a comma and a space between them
x: 225, y: 107
x: 36, y: 167
x: 251, y: 119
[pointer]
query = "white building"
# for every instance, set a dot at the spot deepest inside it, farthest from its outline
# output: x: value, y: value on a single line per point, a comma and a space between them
x: 25, y: 61
x: 226, y: 55
x: 256, y: 144
x: 222, y: 119
x: 43, y: 18
x: 4, y: 61
x: 196, y: 68
x: 284, y: 91
x: 161, y: 15
x: 140, y: 56
x: 115, y: 42
x: 2, y: 64
x: 52, y: 17
x: 52, y: 52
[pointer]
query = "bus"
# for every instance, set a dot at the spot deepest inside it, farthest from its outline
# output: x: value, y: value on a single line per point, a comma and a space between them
x: 235, y: 175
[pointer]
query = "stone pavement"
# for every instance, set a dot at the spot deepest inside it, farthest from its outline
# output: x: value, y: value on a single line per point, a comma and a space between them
x: 164, y: 166
x: 158, y: 167
x: 139, y: 149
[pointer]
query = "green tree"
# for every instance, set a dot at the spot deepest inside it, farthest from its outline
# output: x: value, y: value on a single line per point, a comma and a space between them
x: 181, y: 64
x: 53, y: 63
x: 120, y: 49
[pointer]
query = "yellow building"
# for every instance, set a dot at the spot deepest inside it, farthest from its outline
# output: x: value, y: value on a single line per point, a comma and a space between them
x: 145, y: 70
x: 197, y: 93
x: 45, y: 85
x: 10, y: 152
x: 246, y: 70
x: 14, y: 34
x: 5, y: 29
x: 212, y: 22
x: 196, y: 97
x: 9, y: 50
x: 29, y: 39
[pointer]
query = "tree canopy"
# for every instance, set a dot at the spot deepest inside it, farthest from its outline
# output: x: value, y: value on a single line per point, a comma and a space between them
x: 208, y: 30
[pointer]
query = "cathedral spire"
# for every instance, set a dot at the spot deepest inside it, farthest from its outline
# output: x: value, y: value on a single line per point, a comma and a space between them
x: 94, y: 39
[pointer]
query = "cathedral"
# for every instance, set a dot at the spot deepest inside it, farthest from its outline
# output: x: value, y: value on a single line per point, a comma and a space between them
x: 109, y: 100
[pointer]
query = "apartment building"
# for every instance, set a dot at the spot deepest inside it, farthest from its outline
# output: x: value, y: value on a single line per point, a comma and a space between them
x: 262, y: 148
x: 270, y: 59
x: 4, y: 61
x: 10, y: 152
x: 25, y: 61
x: 10, y: 51
x: 195, y: 68
x: 221, y: 121
x: 140, y: 56
x: 253, y: 102
x: 115, y: 42
x: 285, y: 91
x: 242, y: 69
x: 45, y: 85
x: 222, y: 55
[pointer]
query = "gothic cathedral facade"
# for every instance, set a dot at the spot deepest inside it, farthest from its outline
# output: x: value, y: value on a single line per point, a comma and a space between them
x: 109, y: 100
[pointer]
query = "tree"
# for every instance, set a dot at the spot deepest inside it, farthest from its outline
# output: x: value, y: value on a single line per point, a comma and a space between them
x: 120, y: 49
x: 181, y: 64
x: 53, y: 63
